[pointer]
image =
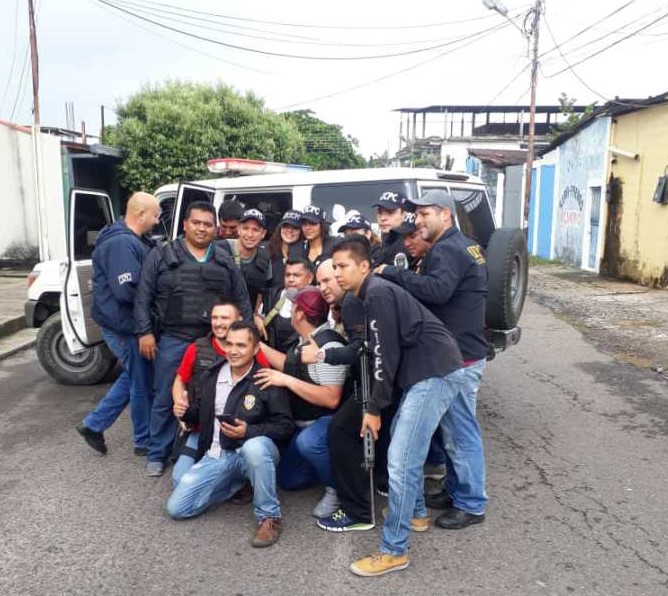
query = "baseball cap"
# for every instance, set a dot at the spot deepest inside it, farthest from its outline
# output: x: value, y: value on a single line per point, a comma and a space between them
x: 436, y: 197
x: 313, y: 214
x: 356, y: 222
x: 312, y: 303
x: 256, y: 215
x: 391, y: 200
x: 407, y: 226
x: 291, y: 218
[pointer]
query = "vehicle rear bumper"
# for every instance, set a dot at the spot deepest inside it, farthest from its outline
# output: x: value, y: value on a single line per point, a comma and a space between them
x: 501, y: 339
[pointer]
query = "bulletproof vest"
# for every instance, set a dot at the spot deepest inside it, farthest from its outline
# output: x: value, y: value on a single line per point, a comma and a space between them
x: 255, y: 273
x: 206, y: 354
x: 281, y: 335
x: 301, y: 409
x: 195, y: 286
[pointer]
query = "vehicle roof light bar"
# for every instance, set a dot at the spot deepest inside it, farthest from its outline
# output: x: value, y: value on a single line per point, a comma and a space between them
x: 252, y: 166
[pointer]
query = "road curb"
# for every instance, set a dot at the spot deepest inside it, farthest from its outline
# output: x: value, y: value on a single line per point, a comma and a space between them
x: 13, y: 325
x: 18, y: 342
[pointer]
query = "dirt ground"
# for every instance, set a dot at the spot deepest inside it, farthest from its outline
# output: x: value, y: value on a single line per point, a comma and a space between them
x: 623, y: 319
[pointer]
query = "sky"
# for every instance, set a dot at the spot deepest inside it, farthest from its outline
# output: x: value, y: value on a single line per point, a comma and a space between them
x: 411, y: 54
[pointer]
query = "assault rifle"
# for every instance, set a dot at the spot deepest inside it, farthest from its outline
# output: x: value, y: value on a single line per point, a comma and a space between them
x: 369, y: 447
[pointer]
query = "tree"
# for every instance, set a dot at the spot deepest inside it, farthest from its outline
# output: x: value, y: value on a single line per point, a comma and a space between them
x: 325, y: 145
x: 168, y: 132
x: 572, y: 118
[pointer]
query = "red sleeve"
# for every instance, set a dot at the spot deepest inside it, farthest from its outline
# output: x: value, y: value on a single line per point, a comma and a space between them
x: 262, y: 359
x: 185, y: 370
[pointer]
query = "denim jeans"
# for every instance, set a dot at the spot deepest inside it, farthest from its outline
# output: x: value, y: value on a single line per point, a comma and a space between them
x: 213, y: 480
x: 163, y: 423
x: 420, y: 411
x: 185, y: 461
x: 134, y: 386
x: 465, y: 481
x: 306, y: 460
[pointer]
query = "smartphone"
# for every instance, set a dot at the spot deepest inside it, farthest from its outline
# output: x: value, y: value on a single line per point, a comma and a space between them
x: 227, y: 419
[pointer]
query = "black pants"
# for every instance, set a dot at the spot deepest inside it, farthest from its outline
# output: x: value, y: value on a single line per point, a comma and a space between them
x: 346, y: 456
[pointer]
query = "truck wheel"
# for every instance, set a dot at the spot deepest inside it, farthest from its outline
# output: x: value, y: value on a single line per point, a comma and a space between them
x: 86, y: 368
x: 508, y: 272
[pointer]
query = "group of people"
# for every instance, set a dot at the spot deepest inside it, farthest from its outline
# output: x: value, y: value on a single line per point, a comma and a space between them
x: 241, y: 362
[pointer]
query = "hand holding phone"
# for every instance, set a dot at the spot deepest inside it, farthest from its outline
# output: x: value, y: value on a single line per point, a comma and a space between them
x: 227, y: 419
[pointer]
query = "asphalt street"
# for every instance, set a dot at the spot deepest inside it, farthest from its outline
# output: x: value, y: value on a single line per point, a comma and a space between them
x: 577, y: 476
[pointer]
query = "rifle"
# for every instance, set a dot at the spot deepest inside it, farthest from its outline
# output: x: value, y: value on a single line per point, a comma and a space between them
x: 369, y: 447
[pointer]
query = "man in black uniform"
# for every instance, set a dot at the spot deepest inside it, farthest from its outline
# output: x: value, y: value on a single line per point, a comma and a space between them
x: 250, y: 256
x: 453, y: 285
x: 413, y: 350
x: 179, y: 282
x: 391, y: 208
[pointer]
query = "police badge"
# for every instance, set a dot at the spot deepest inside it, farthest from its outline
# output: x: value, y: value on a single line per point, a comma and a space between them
x: 249, y: 401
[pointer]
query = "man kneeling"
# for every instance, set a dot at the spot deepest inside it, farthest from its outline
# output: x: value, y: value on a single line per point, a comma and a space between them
x: 241, y: 427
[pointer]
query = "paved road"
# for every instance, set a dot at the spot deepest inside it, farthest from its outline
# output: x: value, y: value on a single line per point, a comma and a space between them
x: 577, y: 456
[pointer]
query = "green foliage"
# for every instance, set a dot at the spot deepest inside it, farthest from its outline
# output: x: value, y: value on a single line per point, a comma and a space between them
x: 168, y: 132
x: 379, y: 161
x: 325, y: 146
x: 566, y: 106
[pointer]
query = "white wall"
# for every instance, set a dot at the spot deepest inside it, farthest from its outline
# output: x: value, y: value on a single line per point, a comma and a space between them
x: 19, y: 223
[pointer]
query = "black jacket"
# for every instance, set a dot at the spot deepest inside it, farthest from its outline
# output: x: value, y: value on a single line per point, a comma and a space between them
x: 453, y: 284
x: 267, y: 412
x: 393, y: 244
x: 181, y: 307
x: 408, y: 343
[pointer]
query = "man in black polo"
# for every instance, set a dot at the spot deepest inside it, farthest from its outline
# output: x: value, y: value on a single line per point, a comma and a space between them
x: 179, y: 283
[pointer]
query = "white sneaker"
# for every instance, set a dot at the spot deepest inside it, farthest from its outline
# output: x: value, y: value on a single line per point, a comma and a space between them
x: 328, y: 504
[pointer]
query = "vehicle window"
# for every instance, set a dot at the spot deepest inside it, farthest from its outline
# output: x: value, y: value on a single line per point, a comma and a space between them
x: 190, y: 194
x: 163, y: 227
x: 272, y: 204
x: 91, y: 214
x: 338, y: 199
x: 474, y: 215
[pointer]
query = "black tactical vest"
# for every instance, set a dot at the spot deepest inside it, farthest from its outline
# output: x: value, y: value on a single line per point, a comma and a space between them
x: 195, y: 286
x: 255, y: 273
x: 206, y: 354
x: 301, y: 409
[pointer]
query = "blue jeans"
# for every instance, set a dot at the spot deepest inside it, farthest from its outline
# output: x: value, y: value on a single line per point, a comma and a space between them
x: 133, y: 386
x: 422, y: 407
x: 185, y: 461
x: 163, y: 423
x: 213, y: 480
x: 306, y: 460
x: 465, y: 481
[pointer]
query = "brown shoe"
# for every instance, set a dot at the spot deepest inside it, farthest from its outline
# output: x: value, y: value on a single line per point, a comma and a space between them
x: 268, y: 532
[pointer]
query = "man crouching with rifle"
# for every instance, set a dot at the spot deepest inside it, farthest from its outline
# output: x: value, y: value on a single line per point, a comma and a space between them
x: 412, y: 349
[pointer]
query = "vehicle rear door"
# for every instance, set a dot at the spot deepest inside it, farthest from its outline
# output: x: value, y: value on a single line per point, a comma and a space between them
x: 186, y: 194
x: 89, y: 212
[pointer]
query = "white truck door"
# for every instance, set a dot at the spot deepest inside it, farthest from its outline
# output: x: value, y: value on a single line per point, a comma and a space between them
x: 89, y: 212
x: 186, y: 194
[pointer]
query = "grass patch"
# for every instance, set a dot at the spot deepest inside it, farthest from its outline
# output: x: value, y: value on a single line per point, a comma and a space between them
x: 534, y: 260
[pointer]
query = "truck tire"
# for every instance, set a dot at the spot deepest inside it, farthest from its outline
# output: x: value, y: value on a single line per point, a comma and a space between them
x: 86, y: 368
x: 508, y: 272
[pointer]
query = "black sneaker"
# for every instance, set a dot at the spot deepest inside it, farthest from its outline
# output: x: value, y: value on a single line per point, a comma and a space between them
x: 93, y: 438
x: 141, y: 451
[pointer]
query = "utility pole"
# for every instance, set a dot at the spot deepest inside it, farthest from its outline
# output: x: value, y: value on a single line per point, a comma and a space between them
x: 529, y: 31
x: 34, y: 64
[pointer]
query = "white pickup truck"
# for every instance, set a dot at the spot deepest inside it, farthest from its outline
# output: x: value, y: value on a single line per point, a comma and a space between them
x: 69, y: 343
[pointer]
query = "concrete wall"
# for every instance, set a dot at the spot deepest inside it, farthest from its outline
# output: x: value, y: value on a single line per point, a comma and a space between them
x: 19, y: 229
x: 582, y: 165
x: 642, y: 225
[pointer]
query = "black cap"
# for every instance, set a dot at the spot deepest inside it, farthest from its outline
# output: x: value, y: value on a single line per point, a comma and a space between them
x: 356, y: 222
x: 291, y: 218
x: 391, y: 200
x: 313, y: 214
x: 407, y: 226
x: 256, y: 215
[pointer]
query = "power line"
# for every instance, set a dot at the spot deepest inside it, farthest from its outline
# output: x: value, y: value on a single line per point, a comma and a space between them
x: 472, y: 39
x: 339, y: 27
x: 183, y: 45
x: 11, y: 68
x: 613, y: 44
x: 276, y: 54
x: 20, y: 90
x: 291, y: 39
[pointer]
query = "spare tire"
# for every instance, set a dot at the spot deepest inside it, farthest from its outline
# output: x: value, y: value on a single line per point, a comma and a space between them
x: 85, y: 368
x: 508, y: 272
